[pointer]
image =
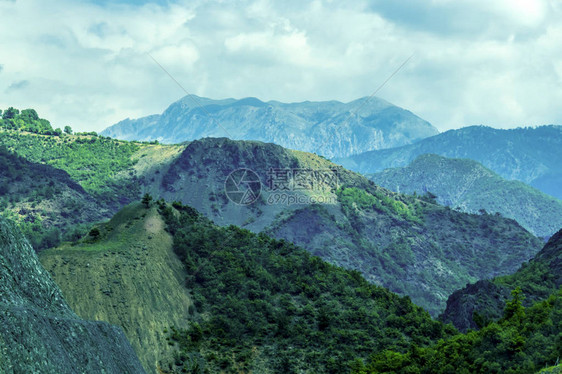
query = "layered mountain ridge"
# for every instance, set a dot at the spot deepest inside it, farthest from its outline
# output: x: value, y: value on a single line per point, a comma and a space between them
x: 530, y: 155
x: 483, y: 301
x: 468, y: 186
x: 392, y: 239
x: 254, y: 304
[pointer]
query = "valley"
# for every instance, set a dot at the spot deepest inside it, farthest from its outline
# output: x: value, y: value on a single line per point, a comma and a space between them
x: 267, y: 187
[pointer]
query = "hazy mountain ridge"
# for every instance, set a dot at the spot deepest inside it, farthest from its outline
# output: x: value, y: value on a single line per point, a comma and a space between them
x: 39, y: 332
x: 329, y: 128
x: 468, y: 186
x: 402, y: 253
x: 407, y: 243
x: 530, y: 155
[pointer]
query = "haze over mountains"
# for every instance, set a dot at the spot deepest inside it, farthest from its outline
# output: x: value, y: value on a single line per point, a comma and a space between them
x: 329, y: 128
x: 530, y: 155
x: 366, y: 135
x: 362, y: 227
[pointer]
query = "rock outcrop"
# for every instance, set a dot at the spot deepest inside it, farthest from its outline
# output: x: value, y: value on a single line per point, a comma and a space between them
x: 39, y: 333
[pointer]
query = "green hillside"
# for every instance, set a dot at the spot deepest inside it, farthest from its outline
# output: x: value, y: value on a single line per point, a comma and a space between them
x: 46, y: 203
x: 125, y: 272
x: 265, y: 305
x: 523, y: 340
x: 104, y: 167
x: 479, y: 303
x: 468, y: 186
x: 39, y: 332
x: 259, y: 304
x: 408, y: 244
x: 55, y: 184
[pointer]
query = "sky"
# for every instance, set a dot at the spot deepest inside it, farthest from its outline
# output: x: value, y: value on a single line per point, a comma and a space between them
x: 90, y: 64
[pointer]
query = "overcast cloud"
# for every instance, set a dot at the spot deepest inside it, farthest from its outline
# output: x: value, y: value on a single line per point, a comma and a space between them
x: 86, y: 63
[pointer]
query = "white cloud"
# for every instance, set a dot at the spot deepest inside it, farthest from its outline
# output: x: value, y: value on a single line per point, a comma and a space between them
x: 87, y: 65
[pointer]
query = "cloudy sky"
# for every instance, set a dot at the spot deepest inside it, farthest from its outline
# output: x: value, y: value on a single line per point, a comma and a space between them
x: 87, y: 63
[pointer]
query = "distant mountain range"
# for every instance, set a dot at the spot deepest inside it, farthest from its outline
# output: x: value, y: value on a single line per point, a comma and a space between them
x: 530, y: 155
x: 468, y: 186
x: 328, y: 128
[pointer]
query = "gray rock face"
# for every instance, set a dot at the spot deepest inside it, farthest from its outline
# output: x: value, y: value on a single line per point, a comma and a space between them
x: 330, y: 128
x: 39, y: 333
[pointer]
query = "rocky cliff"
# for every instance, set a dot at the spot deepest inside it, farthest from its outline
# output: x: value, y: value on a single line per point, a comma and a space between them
x: 39, y: 333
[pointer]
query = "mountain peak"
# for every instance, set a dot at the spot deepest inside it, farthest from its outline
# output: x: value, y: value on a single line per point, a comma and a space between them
x: 330, y: 128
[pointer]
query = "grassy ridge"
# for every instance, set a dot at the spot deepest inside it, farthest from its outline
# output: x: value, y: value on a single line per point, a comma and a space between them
x: 127, y: 275
x: 46, y: 203
x: 94, y: 162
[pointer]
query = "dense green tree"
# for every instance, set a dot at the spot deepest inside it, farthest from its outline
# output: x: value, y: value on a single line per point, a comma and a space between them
x: 10, y: 113
x: 68, y: 130
x: 523, y: 341
x: 514, y: 308
x: 29, y: 115
x: 146, y: 200
x: 269, y: 298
